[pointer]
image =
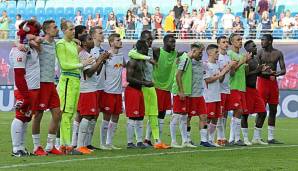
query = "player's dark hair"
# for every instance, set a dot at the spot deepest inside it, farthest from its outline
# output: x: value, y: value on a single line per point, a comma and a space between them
x: 211, y: 46
x: 144, y: 34
x: 84, y: 38
x: 247, y: 43
x: 220, y: 38
x: 46, y: 24
x: 269, y: 37
x: 141, y: 45
x: 79, y: 30
x: 167, y: 37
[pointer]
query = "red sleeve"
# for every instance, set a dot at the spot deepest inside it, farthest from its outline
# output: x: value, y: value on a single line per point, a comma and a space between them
x: 20, y: 81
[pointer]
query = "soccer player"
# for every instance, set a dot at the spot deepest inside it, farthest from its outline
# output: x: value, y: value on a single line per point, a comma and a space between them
x: 48, y: 97
x: 27, y: 84
x: 149, y: 93
x: 69, y: 83
x: 267, y: 84
x: 212, y: 78
x: 113, y: 88
x: 238, y: 86
x: 223, y: 60
x: 134, y: 100
x: 88, y: 100
x: 254, y: 102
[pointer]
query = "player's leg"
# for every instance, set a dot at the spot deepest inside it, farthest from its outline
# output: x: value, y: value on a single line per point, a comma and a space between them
x: 139, y: 122
x: 16, y: 136
x: 75, y: 129
x: 112, y: 127
x: 189, y: 130
x: 103, y: 130
x: 244, y: 129
x: 257, y: 136
x: 271, y: 124
x: 53, y: 129
x: 36, y: 119
x: 90, y: 133
x: 130, y: 127
x: 83, y: 133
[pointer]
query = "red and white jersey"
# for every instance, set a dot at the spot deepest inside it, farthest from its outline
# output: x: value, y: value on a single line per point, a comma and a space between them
x: 30, y: 61
x: 212, y: 90
x: 88, y: 84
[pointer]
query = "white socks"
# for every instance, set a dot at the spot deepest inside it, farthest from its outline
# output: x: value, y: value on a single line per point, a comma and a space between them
x: 237, y: 128
x: 183, y: 128
x: 271, y: 132
x: 232, y: 130
x: 24, y: 131
x: 220, y: 129
x: 75, y: 131
x: 111, y: 132
x: 245, y: 133
x: 91, y: 127
x: 83, y: 131
x: 139, y: 130
x: 160, y: 124
x: 16, y: 134
x: 204, y: 134
x: 211, y: 131
x: 130, y: 130
x: 257, y: 133
x: 175, y: 118
x: 50, y: 142
x: 103, y: 132
x: 36, y: 141
x: 148, y: 131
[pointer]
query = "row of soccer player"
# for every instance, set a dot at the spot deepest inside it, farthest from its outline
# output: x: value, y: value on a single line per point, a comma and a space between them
x: 91, y: 82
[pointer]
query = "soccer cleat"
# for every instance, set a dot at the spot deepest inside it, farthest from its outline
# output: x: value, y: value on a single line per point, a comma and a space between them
x: 221, y: 142
x: 188, y: 145
x: 92, y: 148
x: 206, y: 144
x: 240, y: 143
x: 104, y: 147
x: 214, y: 144
x: 113, y: 147
x: 40, y: 152
x: 274, y: 141
x: 131, y: 145
x: 246, y: 142
x: 19, y: 153
x: 161, y: 146
x: 175, y: 145
x: 230, y: 143
x: 55, y: 151
x: 259, y: 141
x: 141, y: 145
x: 148, y: 142
x: 72, y: 151
x: 192, y: 143
x: 62, y: 149
x: 84, y: 150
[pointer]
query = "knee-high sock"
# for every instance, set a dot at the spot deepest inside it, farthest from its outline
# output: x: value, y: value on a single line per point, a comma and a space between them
x: 237, y: 129
x: 24, y: 131
x: 89, y: 136
x: 103, y: 132
x: 75, y: 132
x: 36, y: 141
x: 148, y: 130
x: 204, y: 134
x: 160, y: 124
x: 50, y: 142
x: 16, y: 134
x: 183, y: 127
x: 65, y: 129
x: 257, y: 133
x: 139, y: 130
x: 232, y: 130
x: 245, y: 133
x: 211, y: 131
x: 271, y: 130
x: 153, y: 120
x: 130, y: 130
x: 83, y: 131
x: 175, y: 118
x: 220, y: 129
x: 111, y: 132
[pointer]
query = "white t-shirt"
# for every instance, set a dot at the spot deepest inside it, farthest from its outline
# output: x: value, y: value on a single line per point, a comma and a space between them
x: 211, y: 21
x: 227, y: 21
x: 30, y: 61
x: 211, y: 90
x: 96, y: 53
x: 225, y: 85
x: 87, y: 84
x: 113, y: 72
x: 78, y: 20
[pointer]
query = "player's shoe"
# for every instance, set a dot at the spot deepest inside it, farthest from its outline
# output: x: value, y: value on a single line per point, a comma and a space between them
x: 92, y: 148
x: 188, y: 145
x: 72, y: 151
x: 247, y: 142
x: 55, y: 151
x: 274, y: 141
x: 214, y: 144
x: 175, y: 145
x: 161, y: 146
x: 113, y: 147
x: 62, y: 149
x: 84, y: 150
x: 259, y: 141
x: 221, y: 142
x: 27, y: 152
x: 131, y: 145
x: 240, y: 143
x: 19, y: 153
x: 192, y: 143
x: 40, y: 152
x: 206, y: 144
x: 104, y: 147
x: 141, y: 145
x: 148, y: 142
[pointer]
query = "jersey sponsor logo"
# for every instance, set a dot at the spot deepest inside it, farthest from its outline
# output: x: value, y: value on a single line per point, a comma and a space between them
x: 118, y: 65
x: 184, y: 108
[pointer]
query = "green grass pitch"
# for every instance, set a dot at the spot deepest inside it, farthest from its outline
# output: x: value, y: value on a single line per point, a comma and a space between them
x: 257, y: 157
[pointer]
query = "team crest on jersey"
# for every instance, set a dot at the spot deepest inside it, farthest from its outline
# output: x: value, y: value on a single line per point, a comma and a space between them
x: 184, y: 108
x: 19, y: 59
x: 118, y: 65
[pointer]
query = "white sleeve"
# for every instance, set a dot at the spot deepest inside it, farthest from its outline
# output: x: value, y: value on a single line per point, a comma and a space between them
x: 18, y: 58
x: 207, y: 72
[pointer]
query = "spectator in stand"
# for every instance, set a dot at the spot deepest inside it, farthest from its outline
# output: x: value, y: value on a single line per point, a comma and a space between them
x: 170, y: 25
x: 111, y: 23
x: 89, y: 22
x: 19, y: 20
x: 157, y: 19
x: 134, y: 8
x: 227, y: 2
x: 274, y: 22
x: 272, y: 6
x: 78, y: 20
x: 144, y: 5
x: 185, y: 10
x: 211, y: 3
x: 4, y: 22
x: 186, y: 22
x: 120, y: 29
x: 199, y: 26
x: 178, y: 10
x: 145, y: 18
x: 266, y: 23
x: 227, y: 21
x: 288, y: 23
x: 97, y: 20
x: 238, y: 26
x: 252, y: 23
x: 194, y: 14
x: 248, y: 7
x: 130, y: 20
x: 281, y: 17
x: 263, y: 5
x: 212, y: 22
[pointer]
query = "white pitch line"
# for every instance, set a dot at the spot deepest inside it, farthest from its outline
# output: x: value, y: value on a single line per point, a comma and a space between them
x: 143, y: 155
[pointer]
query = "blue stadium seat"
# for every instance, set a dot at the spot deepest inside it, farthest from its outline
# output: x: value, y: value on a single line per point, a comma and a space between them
x: 295, y: 34
x: 120, y: 17
x: 69, y: 11
x: 22, y: 4
x: 30, y: 3
x: 11, y: 4
x: 239, y: 14
x: 220, y: 32
x: 40, y: 12
x: 281, y: 9
x: 107, y: 10
x: 50, y: 11
x: 21, y: 11
x: 208, y: 34
x: 11, y: 12
x: 99, y: 10
x: 3, y: 5
x: 79, y: 9
x: 293, y: 14
x: 89, y: 11
x: 59, y: 11
x: 277, y: 33
x: 30, y: 11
